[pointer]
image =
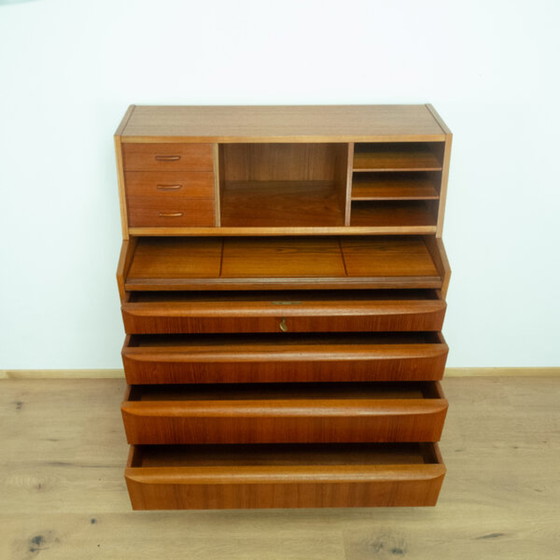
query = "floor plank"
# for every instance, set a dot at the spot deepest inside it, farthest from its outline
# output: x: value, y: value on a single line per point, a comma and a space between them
x: 62, y: 493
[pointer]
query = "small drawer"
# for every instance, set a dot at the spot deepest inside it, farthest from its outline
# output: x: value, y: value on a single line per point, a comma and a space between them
x: 158, y: 211
x: 284, y: 413
x: 286, y: 311
x: 168, y: 157
x: 283, y: 358
x: 199, y: 184
x: 284, y: 476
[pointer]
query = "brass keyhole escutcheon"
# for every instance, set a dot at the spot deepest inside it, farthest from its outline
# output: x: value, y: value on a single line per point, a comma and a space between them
x: 283, y: 325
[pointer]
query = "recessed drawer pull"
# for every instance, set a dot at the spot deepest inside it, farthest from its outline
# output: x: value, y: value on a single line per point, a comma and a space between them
x: 169, y: 187
x: 170, y: 214
x: 283, y: 325
x: 167, y: 158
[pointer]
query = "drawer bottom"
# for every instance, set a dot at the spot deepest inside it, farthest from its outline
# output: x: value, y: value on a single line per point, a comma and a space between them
x: 283, y: 476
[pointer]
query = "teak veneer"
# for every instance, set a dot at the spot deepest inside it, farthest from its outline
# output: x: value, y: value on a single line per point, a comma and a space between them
x: 172, y: 312
x: 284, y: 476
x: 294, y: 413
x: 283, y: 358
x: 282, y: 281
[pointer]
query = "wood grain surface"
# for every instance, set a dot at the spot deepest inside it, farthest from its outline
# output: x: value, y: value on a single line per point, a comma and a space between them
x: 284, y: 413
x: 281, y: 204
x: 284, y: 358
x: 64, y: 496
x: 170, y: 184
x: 174, y: 263
x: 168, y: 157
x: 397, y: 157
x: 416, y: 216
x: 395, y: 186
x: 367, y: 123
x: 280, y: 476
x: 154, y: 211
x: 287, y: 311
x: 291, y: 168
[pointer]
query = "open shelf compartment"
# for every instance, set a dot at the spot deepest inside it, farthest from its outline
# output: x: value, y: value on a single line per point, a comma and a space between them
x: 283, y: 185
x: 392, y: 213
x: 396, y: 186
x: 398, y: 156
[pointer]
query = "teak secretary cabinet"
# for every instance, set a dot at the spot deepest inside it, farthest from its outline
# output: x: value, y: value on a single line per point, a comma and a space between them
x: 282, y: 280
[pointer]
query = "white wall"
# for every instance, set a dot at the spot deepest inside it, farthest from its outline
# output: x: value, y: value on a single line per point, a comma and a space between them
x: 69, y: 69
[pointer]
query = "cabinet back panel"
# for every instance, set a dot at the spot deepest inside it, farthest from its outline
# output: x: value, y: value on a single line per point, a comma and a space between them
x: 280, y: 162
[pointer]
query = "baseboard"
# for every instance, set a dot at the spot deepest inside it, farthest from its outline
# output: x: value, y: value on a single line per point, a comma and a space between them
x: 502, y: 371
x: 119, y: 374
x: 62, y: 374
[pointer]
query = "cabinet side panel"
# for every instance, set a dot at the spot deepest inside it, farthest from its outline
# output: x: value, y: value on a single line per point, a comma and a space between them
x: 445, y: 170
x: 121, y: 182
x: 120, y: 170
x: 439, y: 256
x: 125, y: 260
x: 443, y: 187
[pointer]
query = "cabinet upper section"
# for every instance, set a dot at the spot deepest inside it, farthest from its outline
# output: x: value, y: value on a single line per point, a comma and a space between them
x: 295, y: 170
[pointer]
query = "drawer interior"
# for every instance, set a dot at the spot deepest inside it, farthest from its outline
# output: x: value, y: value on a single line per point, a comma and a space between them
x: 285, y: 391
x: 277, y: 341
x: 185, y: 263
x: 283, y: 455
x: 280, y: 298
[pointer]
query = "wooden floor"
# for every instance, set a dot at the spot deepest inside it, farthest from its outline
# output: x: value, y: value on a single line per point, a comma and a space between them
x: 62, y: 494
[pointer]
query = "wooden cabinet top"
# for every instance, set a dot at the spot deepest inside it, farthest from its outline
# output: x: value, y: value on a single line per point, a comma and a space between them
x: 350, y: 123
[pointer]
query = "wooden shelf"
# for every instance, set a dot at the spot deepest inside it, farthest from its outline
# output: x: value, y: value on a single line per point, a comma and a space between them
x: 394, y: 186
x: 396, y: 157
x: 172, y: 263
x: 281, y: 204
x: 399, y: 215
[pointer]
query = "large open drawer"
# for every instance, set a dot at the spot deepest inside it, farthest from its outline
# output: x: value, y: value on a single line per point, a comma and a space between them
x: 284, y: 413
x: 283, y: 476
x: 283, y: 357
x: 266, y: 263
x: 283, y: 311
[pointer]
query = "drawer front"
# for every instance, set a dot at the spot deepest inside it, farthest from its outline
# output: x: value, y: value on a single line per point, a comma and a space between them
x: 143, y: 313
x: 169, y: 184
x: 168, y: 157
x: 162, y: 477
x: 156, y: 211
x: 320, y: 360
x: 284, y: 414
